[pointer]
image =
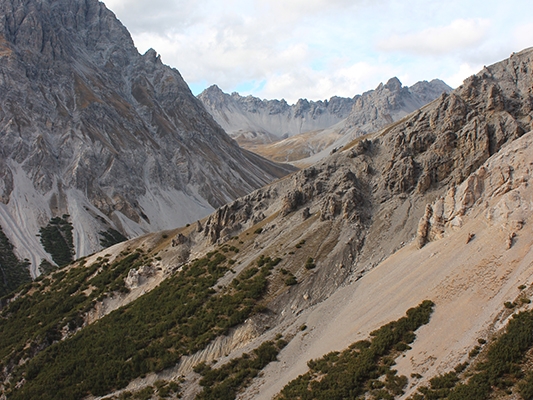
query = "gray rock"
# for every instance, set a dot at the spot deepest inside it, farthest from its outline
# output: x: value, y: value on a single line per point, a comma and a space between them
x: 94, y: 129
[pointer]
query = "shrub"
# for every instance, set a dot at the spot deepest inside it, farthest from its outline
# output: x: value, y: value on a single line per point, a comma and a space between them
x: 224, y: 382
x: 310, y: 264
x: 356, y: 372
x: 111, y: 237
x: 56, y: 238
x: 291, y: 280
x: 509, y: 305
x: 180, y: 316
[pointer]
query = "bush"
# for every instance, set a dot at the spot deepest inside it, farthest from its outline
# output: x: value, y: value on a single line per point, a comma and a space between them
x: 509, y: 305
x: 13, y: 272
x: 111, y: 237
x: 310, y: 264
x: 291, y: 280
x: 226, y: 381
x: 180, y: 316
x: 500, y: 368
x: 57, y: 240
x: 356, y: 372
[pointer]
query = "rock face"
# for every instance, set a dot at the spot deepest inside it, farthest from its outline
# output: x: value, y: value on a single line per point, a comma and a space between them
x: 291, y: 133
x: 390, y: 102
x: 91, y: 128
x: 252, y: 120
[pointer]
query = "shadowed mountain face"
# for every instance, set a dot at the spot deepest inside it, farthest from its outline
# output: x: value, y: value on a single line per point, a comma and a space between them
x: 92, y: 129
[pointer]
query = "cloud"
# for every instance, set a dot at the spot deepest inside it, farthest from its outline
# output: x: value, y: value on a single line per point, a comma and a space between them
x: 160, y: 16
x: 311, y: 84
x: 522, y: 36
x: 321, y: 48
x: 459, y: 35
x: 465, y: 70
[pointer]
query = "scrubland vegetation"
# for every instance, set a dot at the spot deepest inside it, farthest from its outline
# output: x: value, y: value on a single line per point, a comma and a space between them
x: 181, y: 316
x: 499, y: 370
x: 365, y: 367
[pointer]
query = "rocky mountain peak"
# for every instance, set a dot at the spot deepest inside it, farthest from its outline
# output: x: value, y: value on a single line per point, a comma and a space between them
x: 393, y: 84
x: 152, y: 56
x: 94, y: 130
x: 250, y: 119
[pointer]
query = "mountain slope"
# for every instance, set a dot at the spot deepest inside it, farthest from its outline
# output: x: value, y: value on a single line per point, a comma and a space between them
x: 252, y: 120
x: 436, y: 206
x: 92, y: 129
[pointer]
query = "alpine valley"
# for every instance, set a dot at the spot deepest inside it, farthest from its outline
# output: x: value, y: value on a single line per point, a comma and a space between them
x: 400, y: 266
x: 307, y: 131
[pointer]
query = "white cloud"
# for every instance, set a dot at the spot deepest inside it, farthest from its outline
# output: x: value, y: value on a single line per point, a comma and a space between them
x: 157, y: 15
x: 321, y: 48
x: 522, y: 36
x: 458, y: 35
x: 465, y: 70
x: 311, y: 84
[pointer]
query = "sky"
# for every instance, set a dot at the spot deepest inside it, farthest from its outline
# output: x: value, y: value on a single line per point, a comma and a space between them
x: 316, y: 49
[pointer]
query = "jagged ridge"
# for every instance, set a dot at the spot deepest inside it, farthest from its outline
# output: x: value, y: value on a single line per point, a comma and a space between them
x: 92, y: 129
x: 294, y: 133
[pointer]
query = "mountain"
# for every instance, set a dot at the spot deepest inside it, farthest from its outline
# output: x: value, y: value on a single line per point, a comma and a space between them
x: 294, y: 133
x: 252, y: 120
x: 397, y: 267
x: 390, y: 102
x: 98, y: 137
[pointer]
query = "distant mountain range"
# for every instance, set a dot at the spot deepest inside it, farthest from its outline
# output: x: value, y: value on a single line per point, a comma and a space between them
x: 112, y: 139
x: 293, y: 133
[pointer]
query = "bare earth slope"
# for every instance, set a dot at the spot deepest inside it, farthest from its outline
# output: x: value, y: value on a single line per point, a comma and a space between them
x: 91, y: 128
x: 468, y: 281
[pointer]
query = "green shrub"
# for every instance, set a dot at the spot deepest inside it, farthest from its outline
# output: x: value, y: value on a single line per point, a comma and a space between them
x: 310, y: 263
x: 500, y: 369
x: 225, y: 382
x: 112, y: 237
x: 57, y: 240
x: 291, y: 280
x: 300, y: 244
x: 474, y: 352
x: 525, y: 387
x: 180, y: 316
x: 356, y: 372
